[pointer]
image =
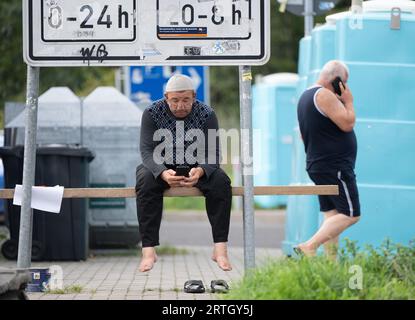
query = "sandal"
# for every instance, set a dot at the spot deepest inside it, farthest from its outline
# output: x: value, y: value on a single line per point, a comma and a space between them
x: 194, y: 286
x: 219, y: 286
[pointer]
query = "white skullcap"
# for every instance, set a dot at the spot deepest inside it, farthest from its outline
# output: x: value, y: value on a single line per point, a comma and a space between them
x: 179, y: 82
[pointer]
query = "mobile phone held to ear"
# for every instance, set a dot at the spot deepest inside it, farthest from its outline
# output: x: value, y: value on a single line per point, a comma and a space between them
x: 182, y: 171
x: 336, y: 85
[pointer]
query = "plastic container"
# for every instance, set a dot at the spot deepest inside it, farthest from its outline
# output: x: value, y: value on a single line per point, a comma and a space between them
x: 304, y: 65
x: 59, y: 119
x: 40, y: 278
x: 382, y: 66
x: 112, y: 130
x: 322, y: 50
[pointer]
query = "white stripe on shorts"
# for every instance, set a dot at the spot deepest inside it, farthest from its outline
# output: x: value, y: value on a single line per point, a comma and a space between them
x: 349, y: 200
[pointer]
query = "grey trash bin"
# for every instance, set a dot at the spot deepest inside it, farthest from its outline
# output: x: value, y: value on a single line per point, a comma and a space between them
x: 58, y: 237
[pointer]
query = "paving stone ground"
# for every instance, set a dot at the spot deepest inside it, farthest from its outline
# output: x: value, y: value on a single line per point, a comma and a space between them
x: 117, y: 277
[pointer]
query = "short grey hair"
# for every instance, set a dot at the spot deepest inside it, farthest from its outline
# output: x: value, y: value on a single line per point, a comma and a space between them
x: 333, y: 69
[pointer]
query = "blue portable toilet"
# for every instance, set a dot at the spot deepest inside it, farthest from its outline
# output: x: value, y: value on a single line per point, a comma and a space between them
x: 322, y: 49
x: 379, y: 50
x: 304, y: 65
x: 274, y: 116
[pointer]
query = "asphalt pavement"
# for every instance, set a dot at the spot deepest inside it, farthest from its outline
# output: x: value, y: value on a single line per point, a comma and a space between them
x: 192, y: 228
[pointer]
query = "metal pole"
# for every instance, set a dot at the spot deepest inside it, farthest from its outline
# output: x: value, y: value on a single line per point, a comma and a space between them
x: 29, y: 163
x: 245, y: 85
x: 82, y: 122
x: 127, y: 81
x: 118, y: 79
x: 237, y: 181
x: 207, y: 85
x: 308, y: 16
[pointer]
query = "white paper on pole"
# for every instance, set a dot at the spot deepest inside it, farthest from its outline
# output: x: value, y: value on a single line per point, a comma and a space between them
x: 43, y: 198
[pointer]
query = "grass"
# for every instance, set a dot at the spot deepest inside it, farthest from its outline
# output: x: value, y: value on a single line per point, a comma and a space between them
x: 384, y: 273
x: 67, y: 290
x: 184, y: 203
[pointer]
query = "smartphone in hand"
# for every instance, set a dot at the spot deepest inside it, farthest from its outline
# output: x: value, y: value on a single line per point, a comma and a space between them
x: 182, y: 171
x: 336, y: 85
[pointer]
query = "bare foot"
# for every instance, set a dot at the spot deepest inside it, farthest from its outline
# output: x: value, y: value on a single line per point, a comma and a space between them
x: 149, y: 258
x: 307, y: 250
x: 220, y: 256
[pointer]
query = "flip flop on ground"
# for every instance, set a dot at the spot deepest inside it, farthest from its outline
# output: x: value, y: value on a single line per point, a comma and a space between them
x: 219, y: 286
x: 194, y: 286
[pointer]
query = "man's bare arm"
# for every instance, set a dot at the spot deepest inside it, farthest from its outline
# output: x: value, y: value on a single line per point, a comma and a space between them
x: 338, y: 109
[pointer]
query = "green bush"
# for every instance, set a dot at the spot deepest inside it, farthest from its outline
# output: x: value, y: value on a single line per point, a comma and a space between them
x: 184, y: 203
x: 387, y: 272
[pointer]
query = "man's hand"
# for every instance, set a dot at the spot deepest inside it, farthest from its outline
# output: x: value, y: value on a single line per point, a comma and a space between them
x: 346, y: 97
x: 194, y: 175
x: 170, y: 177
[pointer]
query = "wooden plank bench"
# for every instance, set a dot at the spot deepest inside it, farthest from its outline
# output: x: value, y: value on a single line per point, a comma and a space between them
x: 188, y: 192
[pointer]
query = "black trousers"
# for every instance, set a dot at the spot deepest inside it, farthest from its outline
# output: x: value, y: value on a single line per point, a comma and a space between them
x: 217, y: 191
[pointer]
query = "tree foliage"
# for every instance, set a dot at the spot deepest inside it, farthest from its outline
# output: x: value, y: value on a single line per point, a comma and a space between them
x: 286, y: 32
x: 13, y: 69
x: 11, y: 65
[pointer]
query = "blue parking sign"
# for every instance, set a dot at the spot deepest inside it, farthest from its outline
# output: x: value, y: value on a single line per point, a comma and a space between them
x: 145, y: 84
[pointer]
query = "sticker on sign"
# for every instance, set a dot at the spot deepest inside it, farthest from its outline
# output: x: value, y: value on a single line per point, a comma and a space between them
x: 146, y: 32
x: 209, y: 19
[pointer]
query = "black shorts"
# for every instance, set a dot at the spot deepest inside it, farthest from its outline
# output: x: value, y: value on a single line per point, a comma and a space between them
x: 347, y: 202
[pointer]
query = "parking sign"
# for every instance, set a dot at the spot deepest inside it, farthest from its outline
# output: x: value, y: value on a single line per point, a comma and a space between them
x: 146, y: 32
